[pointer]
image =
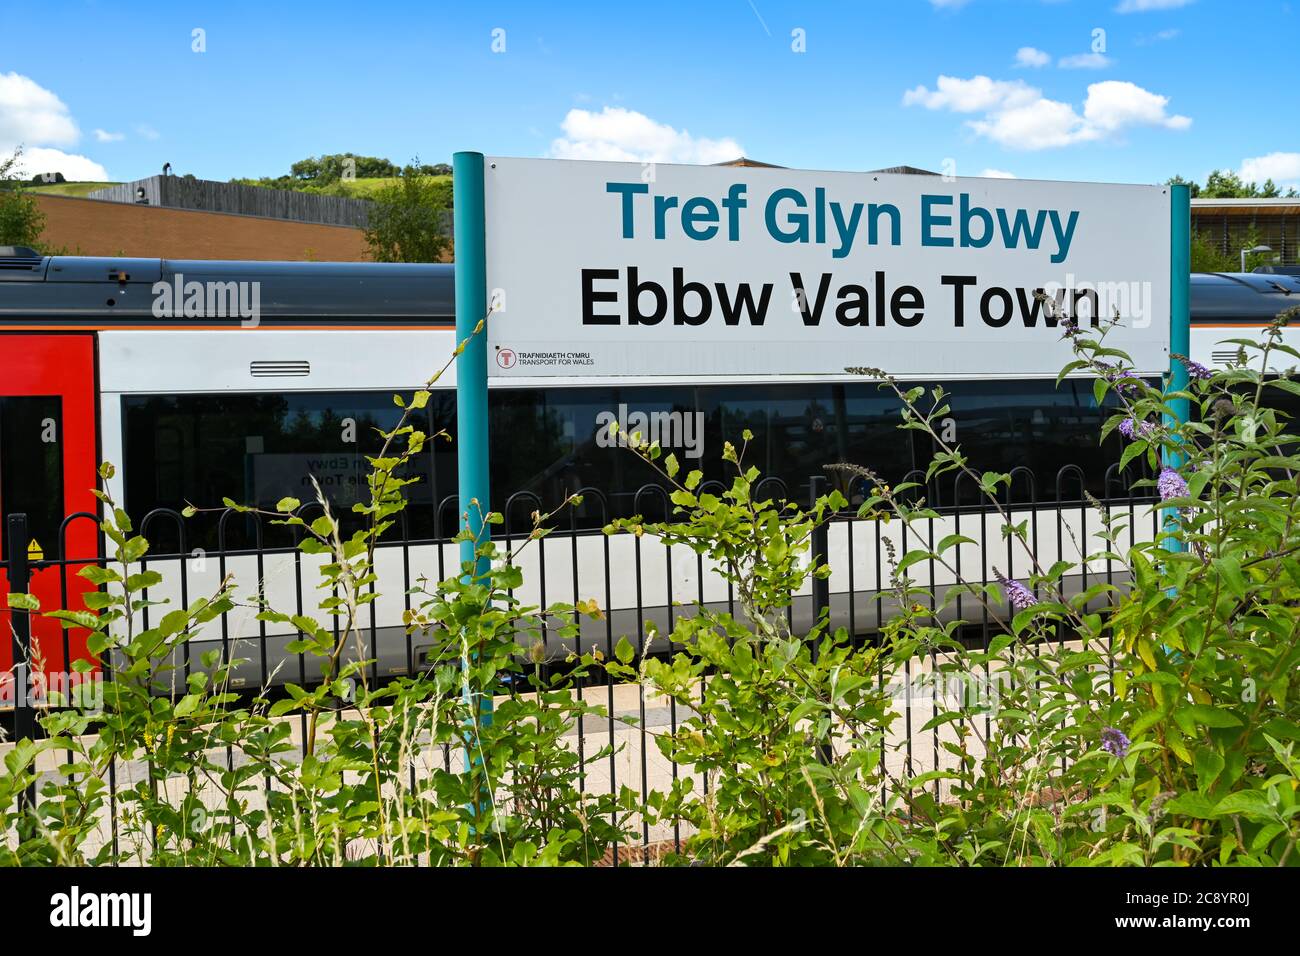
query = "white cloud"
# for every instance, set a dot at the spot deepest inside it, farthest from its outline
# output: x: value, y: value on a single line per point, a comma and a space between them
x: 1158, y: 37
x: 997, y: 174
x: 104, y: 136
x: 1028, y: 56
x: 146, y: 131
x: 621, y: 134
x: 1018, y: 116
x: 29, y: 113
x: 1041, y: 124
x: 1142, y: 6
x: 37, y: 120
x: 41, y: 159
x: 979, y: 94
x: 1282, y: 168
x: 1084, y: 61
x: 1115, y: 104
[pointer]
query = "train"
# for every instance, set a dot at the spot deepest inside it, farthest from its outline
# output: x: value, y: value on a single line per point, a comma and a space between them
x: 203, y: 380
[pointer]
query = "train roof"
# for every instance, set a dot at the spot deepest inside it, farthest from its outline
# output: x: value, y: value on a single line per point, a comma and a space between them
x: 57, y: 287
x: 1242, y: 295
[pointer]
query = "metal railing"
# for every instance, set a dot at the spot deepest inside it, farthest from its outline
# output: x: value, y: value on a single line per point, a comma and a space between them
x: 636, y: 580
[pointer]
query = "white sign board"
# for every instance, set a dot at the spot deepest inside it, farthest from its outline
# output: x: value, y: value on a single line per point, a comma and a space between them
x: 618, y: 269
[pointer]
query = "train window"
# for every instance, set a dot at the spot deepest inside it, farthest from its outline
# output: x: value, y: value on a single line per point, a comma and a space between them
x: 799, y: 429
x: 31, y: 469
x: 1040, y: 426
x: 259, y: 448
x: 548, y: 444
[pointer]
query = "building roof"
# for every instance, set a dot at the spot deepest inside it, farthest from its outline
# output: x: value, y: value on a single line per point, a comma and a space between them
x: 904, y: 170
x: 1281, y: 206
x: 746, y: 161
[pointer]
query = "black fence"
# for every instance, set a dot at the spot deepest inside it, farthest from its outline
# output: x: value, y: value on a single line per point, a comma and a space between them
x: 636, y: 580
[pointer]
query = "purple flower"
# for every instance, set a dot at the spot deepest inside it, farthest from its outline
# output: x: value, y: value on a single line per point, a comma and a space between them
x: 1121, y: 378
x: 1114, y: 742
x: 1131, y: 430
x: 1170, y: 484
x: 1195, y: 370
x: 1018, y: 596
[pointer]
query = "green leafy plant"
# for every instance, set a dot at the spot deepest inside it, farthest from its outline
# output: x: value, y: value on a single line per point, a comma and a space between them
x: 411, y: 218
x: 1149, y: 718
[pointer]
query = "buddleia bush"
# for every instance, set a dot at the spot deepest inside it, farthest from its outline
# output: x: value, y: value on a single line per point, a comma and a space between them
x: 1153, y: 722
x: 345, y: 772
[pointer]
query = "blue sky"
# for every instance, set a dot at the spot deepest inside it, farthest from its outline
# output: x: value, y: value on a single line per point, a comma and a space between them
x: 983, y: 85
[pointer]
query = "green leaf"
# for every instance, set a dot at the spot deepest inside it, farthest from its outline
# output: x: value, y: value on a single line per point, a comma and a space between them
x: 1281, y: 727
x: 1099, y: 388
x: 145, y: 579
x: 1131, y: 451
x: 1211, y: 716
x: 624, y: 650
x: 76, y: 618
x: 23, y: 602
x: 97, y: 575
x: 1208, y: 765
x: 1229, y: 569
x: 953, y: 539
x: 134, y: 550
x: 1193, y: 805
x: 911, y: 558
x: 510, y: 577
x: 1250, y: 803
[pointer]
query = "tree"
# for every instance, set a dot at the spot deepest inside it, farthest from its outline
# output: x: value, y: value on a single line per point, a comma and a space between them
x: 335, y: 166
x: 1225, y: 184
x: 21, y: 219
x: 1206, y: 257
x: 410, y: 218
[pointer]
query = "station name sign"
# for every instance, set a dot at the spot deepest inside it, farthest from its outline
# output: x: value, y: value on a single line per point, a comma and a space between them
x: 622, y: 269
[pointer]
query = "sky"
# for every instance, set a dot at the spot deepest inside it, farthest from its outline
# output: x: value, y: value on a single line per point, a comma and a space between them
x: 1118, y: 91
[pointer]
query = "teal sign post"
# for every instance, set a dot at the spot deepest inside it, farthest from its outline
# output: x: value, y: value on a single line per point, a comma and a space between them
x: 1180, y: 315
x: 471, y: 376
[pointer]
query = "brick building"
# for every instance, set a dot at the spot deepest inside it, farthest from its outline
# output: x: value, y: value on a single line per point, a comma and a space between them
x: 98, y: 227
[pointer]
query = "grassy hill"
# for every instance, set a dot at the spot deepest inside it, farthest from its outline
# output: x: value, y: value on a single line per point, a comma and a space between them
x: 70, y: 189
x: 365, y: 187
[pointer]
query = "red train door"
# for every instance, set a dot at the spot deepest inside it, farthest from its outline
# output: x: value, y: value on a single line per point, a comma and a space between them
x: 48, y: 449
